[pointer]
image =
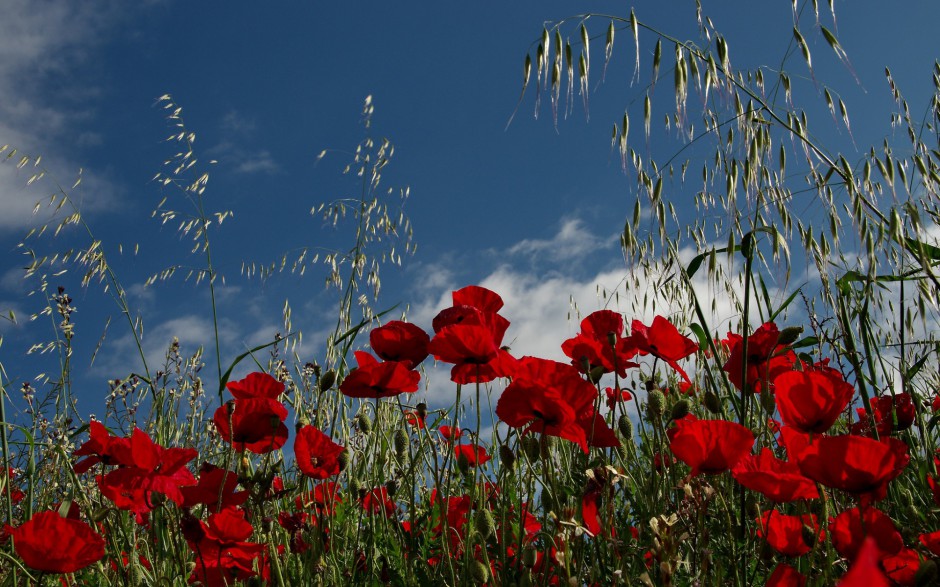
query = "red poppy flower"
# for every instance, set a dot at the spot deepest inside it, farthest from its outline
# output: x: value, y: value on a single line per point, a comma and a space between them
x: 661, y: 339
x: 50, y: 543
x: 777, y: 480
x: 400, y: 341
x: 849, y: 530
x: 931, y: 542
x: 786, y: 576
x: 378, y: 501
x: 324, y: 498
x: 475, y: 455
x: 902, y: 567
x: 854, y: 464
x: 451, y: 515
x: 811, y: 401
x: 785, y: 533
x: 468, y: 301
x: 6, y: 486
x: 153, y: 469
x: 765, y: 358
x: 256, y: 385
x: 255, y: 424
x: 893, y: 413
x: 216, y: 489
x: 615, y: 396
x: 415, y: 420
x: 865, y: 570
x: 597, y: 343
x: 551, y: 398
x: 709, y: 446
x: 102, y: 447
x: 376, y: 380
x: 223, y: 554
x: 317, y: 455
x: 448, y: 432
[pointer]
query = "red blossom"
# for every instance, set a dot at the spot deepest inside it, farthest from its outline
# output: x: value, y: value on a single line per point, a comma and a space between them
x: 786, y: 576
x: 256, y: 385
x: 377, y: 380
x: 378, y: 501
x: 50, y: 543
x: 400, y: 341
x: 102, y: 447
x: 448, y: 432
x: 893, y: 413
x: 474, y: 455
x: 811, y: 401
x: 597, y: 344
x: 255, y: 424
x: 778, y: 480
x: 662, y: 340
x: 216, y: 489
x: 784, y: 533
x: 902, y: 567
x: 849, y: 530
x: 865, y: 570
x: 223, y: 554
x: 323, y: 498
x: 615, y: 396
x: 765, y: 358
x: 709, y: 446
x: 317, y: 455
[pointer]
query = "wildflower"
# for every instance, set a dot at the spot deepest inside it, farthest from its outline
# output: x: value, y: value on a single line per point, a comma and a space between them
x: 102, y: 447
x: 709, y: 446
x: 50, y: 543
x: 785, y: 533
x: 662, y: 340
x: 375, y: 380
x: 865, y: 570
x: 893, y: 413
x: 786, y: 576
x: 256, y: 385
x: 400, y: 341
x: 811, y: 401
x: 255, y: 424
x: 596, y: 344
x: 215, y: 488
x: 765, y: 358
x: 317, y: 455
x: 378, y: 501
x: 473, y: 454
x: 778, y: 480
x: 850, y: 529
x: 223, y: 554
x: 448, y: 432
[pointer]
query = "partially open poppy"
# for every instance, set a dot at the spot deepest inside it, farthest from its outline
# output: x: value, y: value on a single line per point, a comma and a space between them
x: 709, y: 446
x: 317, y: 455
x: 49, y: 543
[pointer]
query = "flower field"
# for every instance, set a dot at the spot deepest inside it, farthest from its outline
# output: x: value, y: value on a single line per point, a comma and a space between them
x: 796, y: 446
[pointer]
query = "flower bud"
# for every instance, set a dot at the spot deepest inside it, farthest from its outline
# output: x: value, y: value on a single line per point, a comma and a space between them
x: 625, y: 425
x: 391, y: 486
x: 596, y: 374
x: 463, y: 464
x: 327, y: 380
x: 711, y: 402
x: 343, y: 459
x: 401, y: 442
x: 485, y: 524
x: 655, y: 404
x: 789, y: 335
x: 301, y: 422
x: 506, y: 456
x: 422, y: 410
x: 680, y: 409
x: 363, y: 422
x: 768, y: 402
x: 530, y: 445
x: 809, y: 535
x: 480, y: 572
x: 530, y: 556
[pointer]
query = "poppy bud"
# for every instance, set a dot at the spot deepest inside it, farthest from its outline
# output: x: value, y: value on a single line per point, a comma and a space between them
x: 768, y: 402
x: 506, y: 456
x: 356, y: 487
x: 809, y: 536
x: 612, y: 339
x: 485, y: 524
x: 585, y: 365
x: 530, y: 556
x: 401, y: 442
x: 625, y: 425
x: 245, y: 466
x: 422, y: 410
x: 463, y: 463
x: 480, y: 572
x: 789, y: 335
x: 230, y: 407
x: 680, y: 409
x: 391, y: 486
x: 711, y: 402
x: 545, y: 446
x: 596, y: 373
x: 327, y: 380
x: 750, y: 504
x: 363, y: 422
x: 927, y: 573
x: 655, y: 404
x: 301, y: 422
x: 530, y: 445
x: 343, y: 459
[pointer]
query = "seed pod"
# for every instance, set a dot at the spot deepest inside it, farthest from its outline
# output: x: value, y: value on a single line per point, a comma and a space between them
x: 768, y: 402
x: 463, y: 464
x: 506, y: 456
x: 301, y: 422
x: 596, y: 374
x: 363, y: 422
x: 485, y: 524
x: 327, y: 380
x: 479, y: 572
x: 711, y: 402
x: 625, y: 425
x: 809, y: 535
x: 422, y: 410
x: 343, y: 459
x: 680, y: 409
x: 789, y: 335
x: 401, y: 442
x: 530, y: 556
x: 655, y: 404
x: 391, y: 486
x: 530, y: 445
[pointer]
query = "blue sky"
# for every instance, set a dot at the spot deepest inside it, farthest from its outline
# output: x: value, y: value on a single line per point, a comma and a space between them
x: 533, y: 211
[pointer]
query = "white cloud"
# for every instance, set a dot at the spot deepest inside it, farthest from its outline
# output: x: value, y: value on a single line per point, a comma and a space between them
x: 573, y: 241
x: 260, y: 162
